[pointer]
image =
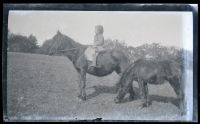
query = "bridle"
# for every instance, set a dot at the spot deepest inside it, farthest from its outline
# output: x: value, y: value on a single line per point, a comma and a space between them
x: 65, y: 50
x: 68, y: 49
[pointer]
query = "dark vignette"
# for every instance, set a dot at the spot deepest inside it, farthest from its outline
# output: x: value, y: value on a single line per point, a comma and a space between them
x: 99, y: 7
x: 195, y: 64
x: 4, y: 62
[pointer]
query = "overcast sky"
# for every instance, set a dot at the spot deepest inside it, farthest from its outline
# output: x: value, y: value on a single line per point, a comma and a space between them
x: 135, y: 28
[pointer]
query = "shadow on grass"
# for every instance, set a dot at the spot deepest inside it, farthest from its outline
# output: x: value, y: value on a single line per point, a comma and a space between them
x: 100, y: 89
x: 164, y: 99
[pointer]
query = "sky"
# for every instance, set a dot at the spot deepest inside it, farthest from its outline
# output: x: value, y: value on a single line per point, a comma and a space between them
x: 134, y: 28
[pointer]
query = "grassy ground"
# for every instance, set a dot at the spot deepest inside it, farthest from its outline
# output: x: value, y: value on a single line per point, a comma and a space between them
x: 41, y: 87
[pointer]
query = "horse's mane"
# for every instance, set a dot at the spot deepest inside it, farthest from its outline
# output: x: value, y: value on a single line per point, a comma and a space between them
x: 126, y: 74
x: 64, y: 40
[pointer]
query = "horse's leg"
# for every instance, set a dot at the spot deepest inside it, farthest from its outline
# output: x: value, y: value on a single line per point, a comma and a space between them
x: 141, y: 88
x: 79, y: 85
x: 131, y: 92
x: 178, y: 88
x: 118, y: 85
x: 145, y: 91
x: 82, y: 85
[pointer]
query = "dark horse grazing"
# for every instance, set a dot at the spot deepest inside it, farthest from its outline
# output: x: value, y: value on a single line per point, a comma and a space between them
x: 108, y: 61
x: 153, y: 72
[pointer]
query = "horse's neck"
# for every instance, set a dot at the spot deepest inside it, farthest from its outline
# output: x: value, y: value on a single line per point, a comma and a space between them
x: 76, y: 53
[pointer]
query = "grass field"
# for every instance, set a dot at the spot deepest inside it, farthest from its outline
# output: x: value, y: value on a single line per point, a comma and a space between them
x: 41, y: 87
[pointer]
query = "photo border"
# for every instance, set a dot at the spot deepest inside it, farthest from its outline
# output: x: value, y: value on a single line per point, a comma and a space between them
x: 101, y: 7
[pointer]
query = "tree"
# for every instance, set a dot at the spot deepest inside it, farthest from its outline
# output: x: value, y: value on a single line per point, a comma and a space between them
x: 20, y: 43
x: 32, y: 43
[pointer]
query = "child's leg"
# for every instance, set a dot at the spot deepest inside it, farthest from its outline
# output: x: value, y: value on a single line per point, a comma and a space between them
x: 94, y: 59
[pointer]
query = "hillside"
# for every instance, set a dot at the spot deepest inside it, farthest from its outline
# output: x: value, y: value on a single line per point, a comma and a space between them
x: 42, y: 87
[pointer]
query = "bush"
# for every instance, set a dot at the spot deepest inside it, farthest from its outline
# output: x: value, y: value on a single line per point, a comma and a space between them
x: 153, y: 50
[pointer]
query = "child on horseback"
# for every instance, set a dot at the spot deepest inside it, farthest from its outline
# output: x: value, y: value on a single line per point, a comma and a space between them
x: 98, y: 42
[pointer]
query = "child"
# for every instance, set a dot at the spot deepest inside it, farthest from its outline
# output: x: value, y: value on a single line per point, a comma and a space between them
x: 98, y: 42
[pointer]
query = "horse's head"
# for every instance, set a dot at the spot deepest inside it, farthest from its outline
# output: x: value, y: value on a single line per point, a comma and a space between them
x: 59, y: 43
x: 63, y: 48
x: 55, y: 48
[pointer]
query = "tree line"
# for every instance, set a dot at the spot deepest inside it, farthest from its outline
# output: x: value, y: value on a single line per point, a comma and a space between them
x: 20, y: 43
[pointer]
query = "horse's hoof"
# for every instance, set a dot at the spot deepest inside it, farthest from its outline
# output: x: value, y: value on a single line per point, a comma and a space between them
x: 116, y: 100
x: 141, y: 97
x: 83, y: 98
x: 183, y: 113
x: 80, y: 98
x: 144, y: 105
x: 131, y: 98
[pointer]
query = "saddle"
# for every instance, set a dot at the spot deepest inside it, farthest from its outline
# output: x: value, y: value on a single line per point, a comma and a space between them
x: 90, y: 52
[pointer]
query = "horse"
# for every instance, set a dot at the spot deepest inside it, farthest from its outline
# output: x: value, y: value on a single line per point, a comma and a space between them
x: 155, y: 72
x: 108, y: 61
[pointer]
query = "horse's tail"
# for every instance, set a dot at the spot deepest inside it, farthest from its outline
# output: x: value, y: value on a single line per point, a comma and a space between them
x: 122, y: 59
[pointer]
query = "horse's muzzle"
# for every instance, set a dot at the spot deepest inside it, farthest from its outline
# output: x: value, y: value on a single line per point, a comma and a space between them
x: 116, y: 100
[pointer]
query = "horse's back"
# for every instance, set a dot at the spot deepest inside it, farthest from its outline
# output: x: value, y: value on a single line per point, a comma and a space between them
x: 161, y: 68
x: 147, y: 69
x: 112, y: 54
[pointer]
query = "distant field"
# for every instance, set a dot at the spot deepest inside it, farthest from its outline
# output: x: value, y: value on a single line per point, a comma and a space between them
x: 42, y: 87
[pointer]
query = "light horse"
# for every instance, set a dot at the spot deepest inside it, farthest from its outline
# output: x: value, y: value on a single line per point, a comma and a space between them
x: 107, y: 61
